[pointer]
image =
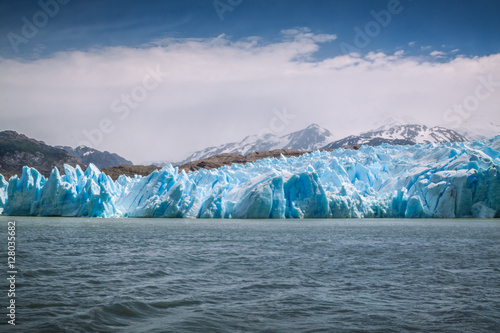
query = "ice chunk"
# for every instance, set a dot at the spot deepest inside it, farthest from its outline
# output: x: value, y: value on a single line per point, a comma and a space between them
x: 3, y: 193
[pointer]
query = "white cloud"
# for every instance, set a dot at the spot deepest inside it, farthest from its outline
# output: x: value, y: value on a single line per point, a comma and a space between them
x: 218, y: 91
x: 306, y: 34
x: 411, y: 44
x: 438, y: 54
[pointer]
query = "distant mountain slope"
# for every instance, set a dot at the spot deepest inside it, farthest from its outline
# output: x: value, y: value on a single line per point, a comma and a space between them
x: 311, y: 138
x: 157, y: 163
x: 400, y: 135
x: 478, y: 128
x: 99, y: 158
x: 17, y: 150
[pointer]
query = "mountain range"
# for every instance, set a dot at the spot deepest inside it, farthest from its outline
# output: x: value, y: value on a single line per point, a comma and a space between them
x: 310, y: 138
x: 17, y: 150
x: 315, y: 137
x: 398, y: 134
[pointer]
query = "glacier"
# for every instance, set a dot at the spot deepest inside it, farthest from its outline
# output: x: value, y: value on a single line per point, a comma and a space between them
x: 421, y: 181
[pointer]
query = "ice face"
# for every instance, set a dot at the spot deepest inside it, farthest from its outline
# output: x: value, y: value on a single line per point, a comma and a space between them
x: 437, y: 180
x: 3, y: 193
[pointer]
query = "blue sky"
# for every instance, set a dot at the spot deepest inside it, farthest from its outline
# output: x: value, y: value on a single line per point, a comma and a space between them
x: 347, y: 65
x: 471, y: 26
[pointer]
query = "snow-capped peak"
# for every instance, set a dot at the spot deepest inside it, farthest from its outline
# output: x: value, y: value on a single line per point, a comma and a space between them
x: 400, y: 135
x: 310, y: 138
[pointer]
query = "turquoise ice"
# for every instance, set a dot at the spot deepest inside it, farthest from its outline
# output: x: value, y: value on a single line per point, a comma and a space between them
x: 421, y: 181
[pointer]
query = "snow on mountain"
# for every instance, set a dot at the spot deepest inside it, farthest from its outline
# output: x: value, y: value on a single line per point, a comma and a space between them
x: 311, y: 138
x: 397, y: 134
x: 388, y: 120
x: 478, y: 128
x: 157, y: 163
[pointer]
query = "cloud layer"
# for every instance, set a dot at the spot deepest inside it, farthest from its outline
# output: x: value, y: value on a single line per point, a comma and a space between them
x: 218, y: 90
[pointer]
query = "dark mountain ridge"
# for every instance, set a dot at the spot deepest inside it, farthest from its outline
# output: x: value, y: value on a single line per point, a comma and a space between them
x: 101, y: 159
x: 17, y: 150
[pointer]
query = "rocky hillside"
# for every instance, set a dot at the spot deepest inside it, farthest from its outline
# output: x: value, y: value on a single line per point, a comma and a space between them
x: 17, y: 150
x: 129, y: 170
x: 101, y: 159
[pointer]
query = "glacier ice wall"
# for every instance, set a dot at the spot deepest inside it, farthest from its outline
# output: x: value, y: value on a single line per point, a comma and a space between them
x: 3, y: 193
x: 437, y: 180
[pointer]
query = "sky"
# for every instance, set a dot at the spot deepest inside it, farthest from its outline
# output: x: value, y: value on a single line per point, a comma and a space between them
x: 157, y: 80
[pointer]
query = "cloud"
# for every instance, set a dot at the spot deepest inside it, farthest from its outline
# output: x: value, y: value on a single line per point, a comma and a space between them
x: 218, y: 90
x: 298, y: 34
x: 411, y: 44
x: 438, y: 54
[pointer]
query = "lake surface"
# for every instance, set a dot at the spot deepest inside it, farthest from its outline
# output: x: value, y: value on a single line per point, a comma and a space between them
x: 159, y: 275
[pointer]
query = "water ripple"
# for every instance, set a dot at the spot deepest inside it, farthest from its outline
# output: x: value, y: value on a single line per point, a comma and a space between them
x: 129, y: 275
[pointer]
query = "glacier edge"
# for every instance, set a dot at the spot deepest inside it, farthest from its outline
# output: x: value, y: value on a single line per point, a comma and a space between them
x: 422, y: 181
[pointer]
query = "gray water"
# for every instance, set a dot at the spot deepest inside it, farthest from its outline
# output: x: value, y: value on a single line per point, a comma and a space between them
x: 158, y: 275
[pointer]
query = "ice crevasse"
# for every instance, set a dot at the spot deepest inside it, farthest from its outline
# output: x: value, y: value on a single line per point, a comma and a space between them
x: 422, y: 181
